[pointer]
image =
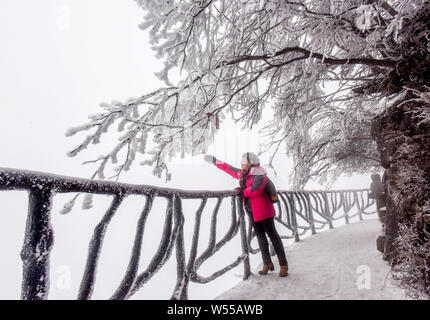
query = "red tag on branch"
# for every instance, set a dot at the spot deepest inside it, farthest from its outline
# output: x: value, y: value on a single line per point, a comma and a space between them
x: 216, y: 119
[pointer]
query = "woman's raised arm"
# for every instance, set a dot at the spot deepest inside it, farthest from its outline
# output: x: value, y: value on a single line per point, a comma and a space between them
x: 224, y: 166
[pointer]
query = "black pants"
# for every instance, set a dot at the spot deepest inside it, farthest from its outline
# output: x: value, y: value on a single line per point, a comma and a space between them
x: 267, y: 226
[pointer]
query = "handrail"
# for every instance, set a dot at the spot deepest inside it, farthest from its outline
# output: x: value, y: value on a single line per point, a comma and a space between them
x: 297, y: 211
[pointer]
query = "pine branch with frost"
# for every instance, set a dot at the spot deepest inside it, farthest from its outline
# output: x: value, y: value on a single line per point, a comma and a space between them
x: 412, y: 263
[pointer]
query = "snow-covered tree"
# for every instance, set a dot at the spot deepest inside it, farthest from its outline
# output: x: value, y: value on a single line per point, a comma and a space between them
x: 326, y: 70
x: 241, y: 57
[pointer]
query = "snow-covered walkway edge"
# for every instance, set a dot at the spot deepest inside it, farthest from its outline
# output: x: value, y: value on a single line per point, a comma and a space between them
x: 342, y: 263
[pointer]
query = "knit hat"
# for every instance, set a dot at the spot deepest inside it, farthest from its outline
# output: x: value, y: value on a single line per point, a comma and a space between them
x: 251, y: 158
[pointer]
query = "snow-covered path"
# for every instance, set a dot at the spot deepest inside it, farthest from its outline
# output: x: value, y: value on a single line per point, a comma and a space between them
x: 328, y: 265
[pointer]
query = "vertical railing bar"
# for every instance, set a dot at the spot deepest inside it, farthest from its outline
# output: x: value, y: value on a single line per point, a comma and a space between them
x: 320, y: 205
x: 360, y: 209
x: 293, y: 216
x: 345, y: 208
x: 310, y: 213
x: 244, y: 240
x: 212, y: 236
x: 232, y: 231
x: 163, y: 252
x: 38, y: 241
x: 301, y: 199
x: 334, y: 202
x: 297, y: 196
x: 234, y: 227
x: 327, y: 210
x: 130, y: 276
x: 287, y: 209
x: 196, y: 234
x: 279, y: 209
x: 351, y: 200
x: 180, y: 291
x: 88, y: 279
x: 250, y: 235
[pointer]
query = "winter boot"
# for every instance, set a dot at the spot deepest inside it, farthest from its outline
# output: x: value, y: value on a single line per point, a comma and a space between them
x: 283, y: 271
x: 266, y: 268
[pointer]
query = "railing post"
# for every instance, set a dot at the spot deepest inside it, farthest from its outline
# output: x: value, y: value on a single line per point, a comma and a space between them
x: 38, y: 241
x: 244, y: 240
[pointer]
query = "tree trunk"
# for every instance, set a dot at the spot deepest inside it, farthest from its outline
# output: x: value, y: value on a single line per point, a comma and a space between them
x: 403, y: 141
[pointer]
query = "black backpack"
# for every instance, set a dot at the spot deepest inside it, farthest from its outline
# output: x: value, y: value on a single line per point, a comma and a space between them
x: 270, y: 189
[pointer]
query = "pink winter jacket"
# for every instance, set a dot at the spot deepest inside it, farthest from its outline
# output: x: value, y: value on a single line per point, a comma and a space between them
x: 256, y: 180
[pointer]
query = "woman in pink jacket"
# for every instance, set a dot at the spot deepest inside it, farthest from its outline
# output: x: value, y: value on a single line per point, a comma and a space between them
x: 252, y: 179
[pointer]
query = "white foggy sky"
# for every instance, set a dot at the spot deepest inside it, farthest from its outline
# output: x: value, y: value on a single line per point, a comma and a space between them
x: 54, y: 75
x: 58, y: 60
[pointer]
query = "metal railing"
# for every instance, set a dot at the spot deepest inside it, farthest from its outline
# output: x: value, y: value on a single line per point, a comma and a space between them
x: 297, y: 211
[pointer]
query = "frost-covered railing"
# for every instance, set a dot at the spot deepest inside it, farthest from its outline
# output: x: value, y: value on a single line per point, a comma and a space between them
x: 298, y: 212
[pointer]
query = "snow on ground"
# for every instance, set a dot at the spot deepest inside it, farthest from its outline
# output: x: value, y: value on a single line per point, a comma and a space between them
x: 341, y: 263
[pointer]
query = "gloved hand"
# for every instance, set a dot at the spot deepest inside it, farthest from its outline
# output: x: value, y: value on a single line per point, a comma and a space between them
x: 239, y: 190
x: 210, y: 159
